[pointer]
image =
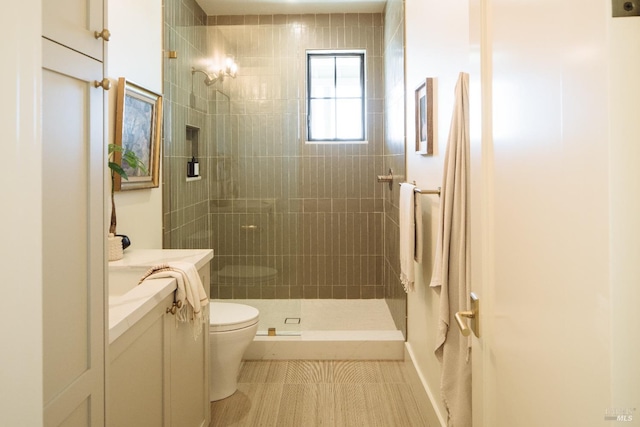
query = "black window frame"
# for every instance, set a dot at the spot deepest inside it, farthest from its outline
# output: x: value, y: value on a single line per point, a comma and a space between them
x: 336, y: 54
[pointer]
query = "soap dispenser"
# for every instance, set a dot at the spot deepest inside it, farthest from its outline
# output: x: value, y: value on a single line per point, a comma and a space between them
x: 193, y: 168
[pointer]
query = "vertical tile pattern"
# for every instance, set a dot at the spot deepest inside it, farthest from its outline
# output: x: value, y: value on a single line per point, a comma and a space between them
x: 394, y: 157
x: 317, y: 209
x: 322, y: 393
x: 185, y: 204
x: 321, y: 221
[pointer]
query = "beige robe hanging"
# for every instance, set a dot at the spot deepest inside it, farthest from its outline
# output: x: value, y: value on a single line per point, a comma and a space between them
x: 452, y: 265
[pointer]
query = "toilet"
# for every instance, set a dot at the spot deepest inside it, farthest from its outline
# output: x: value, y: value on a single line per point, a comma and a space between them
x: 232, y: 327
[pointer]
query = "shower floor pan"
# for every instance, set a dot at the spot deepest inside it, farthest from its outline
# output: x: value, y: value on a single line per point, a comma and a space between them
x: 325, y: 329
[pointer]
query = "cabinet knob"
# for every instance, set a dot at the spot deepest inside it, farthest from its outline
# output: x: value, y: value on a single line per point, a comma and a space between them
x: 104, y: 84
x: 174, y: 307
x: 105, y: 34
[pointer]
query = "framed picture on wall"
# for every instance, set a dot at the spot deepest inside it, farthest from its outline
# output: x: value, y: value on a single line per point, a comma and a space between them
x: 138, y: 129
x: 425, y: 117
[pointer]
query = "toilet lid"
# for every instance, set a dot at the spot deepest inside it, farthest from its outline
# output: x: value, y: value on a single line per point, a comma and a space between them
x: 224, y: 316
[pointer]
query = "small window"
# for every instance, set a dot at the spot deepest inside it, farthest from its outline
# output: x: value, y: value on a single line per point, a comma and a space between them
x: 335, y: 96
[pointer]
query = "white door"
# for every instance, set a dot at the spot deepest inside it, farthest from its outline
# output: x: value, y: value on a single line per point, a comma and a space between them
x: 73, y: 238
x: 549, y: 214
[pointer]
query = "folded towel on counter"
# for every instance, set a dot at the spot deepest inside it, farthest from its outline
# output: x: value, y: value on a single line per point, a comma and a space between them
x: 190, y: 294
x: 407, y: 236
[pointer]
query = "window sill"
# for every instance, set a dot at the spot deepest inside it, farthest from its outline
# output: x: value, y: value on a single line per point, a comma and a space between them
x: 336, y: 142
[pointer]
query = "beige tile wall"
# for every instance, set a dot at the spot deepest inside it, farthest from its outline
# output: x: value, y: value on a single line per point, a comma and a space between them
x: 317, y: 208
x: 185, y: 204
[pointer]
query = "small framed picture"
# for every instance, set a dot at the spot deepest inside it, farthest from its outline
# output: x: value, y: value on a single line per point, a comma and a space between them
x: 425, y: 117
x: 138, y: 129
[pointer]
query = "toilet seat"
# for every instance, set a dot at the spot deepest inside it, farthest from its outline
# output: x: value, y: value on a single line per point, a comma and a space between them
x: 230, y: 316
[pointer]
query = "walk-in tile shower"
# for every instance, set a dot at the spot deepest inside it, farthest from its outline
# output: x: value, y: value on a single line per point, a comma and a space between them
x: 286, y: 219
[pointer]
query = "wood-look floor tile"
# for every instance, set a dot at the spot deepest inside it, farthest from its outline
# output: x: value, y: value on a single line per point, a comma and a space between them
x: 350, y: 406
x: 302, y: 393
x: 308, y: 405
x: 231, y: 411
x: 263, y: 371
x: 394, y: 404
x: 251, y: 405
x: 393, y: 372
x: 356, y: 371
x: 379, y: 411
x: 309, y: 372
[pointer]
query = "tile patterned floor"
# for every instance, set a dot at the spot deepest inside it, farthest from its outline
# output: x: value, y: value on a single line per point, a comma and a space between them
x: 321, y: 393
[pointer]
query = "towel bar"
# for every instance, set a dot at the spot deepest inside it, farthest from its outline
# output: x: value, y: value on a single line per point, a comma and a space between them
x: 420, y: 191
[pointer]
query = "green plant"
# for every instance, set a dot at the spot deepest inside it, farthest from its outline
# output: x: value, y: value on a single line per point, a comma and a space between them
x: 133, y: 161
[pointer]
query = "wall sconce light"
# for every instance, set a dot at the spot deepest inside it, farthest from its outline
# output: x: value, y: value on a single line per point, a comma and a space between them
x: 230, y: 70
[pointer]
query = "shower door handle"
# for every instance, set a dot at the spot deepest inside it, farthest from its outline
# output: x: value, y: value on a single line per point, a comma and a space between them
x: 472, y: 315
x: 387, y: 178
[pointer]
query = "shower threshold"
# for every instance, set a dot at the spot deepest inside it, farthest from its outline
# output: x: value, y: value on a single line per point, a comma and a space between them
x: 325, y: 329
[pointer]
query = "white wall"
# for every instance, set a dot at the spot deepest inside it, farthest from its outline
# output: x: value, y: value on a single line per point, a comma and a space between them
x: 21, y: 242
x: 436, y: 46
x: 135, y: 52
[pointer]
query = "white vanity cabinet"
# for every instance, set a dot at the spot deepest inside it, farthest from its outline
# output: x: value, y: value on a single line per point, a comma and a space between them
x: 139, y: 366
x: 158, y: 374
x: 190, y: 406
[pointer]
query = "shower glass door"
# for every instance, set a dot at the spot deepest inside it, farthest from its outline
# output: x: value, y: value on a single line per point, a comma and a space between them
x: 288, y: 220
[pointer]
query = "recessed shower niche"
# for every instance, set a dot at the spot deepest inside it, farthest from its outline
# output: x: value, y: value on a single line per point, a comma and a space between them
x: 193, y: 165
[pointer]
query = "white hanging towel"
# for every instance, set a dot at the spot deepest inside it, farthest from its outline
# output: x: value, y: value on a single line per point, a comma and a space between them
x: 452, y: 264
x: 419, y: 250
x: 407, y: 236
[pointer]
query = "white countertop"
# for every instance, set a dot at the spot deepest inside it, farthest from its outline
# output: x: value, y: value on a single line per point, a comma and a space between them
x: 151, y: 257
x: 128, y: 308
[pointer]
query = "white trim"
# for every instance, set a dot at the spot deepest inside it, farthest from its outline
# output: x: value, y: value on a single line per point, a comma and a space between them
x: 332, y: 142
x: 337, y: 51
x: 427, y: 389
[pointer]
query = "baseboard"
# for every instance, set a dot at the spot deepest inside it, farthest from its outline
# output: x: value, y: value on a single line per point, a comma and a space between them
x: 423, y: 393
